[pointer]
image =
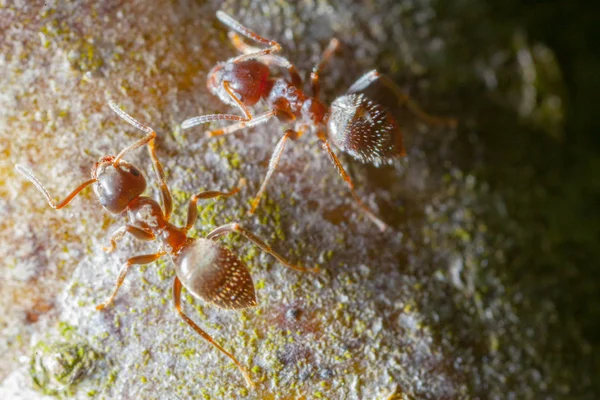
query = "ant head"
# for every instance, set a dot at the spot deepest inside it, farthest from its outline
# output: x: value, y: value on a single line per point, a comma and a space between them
x: 248, y: 81
x: 364, y: 129
x: 117, y: 185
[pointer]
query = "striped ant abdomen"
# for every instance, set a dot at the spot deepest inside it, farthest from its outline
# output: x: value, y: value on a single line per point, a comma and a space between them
x: 216, y: 275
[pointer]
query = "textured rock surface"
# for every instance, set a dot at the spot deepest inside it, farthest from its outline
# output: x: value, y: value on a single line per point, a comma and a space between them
x: 423, y: 310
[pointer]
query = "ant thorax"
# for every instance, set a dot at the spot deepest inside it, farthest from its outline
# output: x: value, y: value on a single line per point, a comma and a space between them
x: 145, y: 213
x: 286, y: 97
x: 291, y: 103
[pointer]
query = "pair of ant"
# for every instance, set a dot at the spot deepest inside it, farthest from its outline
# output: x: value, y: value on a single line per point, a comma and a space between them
x: 355, y: 124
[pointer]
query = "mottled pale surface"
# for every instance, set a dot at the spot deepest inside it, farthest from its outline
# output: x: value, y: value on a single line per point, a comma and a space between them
x: 413, y: 310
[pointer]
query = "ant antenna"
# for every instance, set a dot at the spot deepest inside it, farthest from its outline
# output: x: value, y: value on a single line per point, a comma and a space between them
x: 29, y: 175
x: 129, y: 118
x: 148, y: 139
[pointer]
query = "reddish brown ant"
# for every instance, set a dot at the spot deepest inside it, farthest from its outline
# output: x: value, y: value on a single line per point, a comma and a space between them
x: 355, y: 124
x: 207, y: 270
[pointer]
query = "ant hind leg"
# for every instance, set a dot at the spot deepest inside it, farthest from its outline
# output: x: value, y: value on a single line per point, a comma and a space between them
x: 177, y: 300
x: 364, y: 81
x: 235, y: 227
x: 338, y: 165
x: 367, y: 79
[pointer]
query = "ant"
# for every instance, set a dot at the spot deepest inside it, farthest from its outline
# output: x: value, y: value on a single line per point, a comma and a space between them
x: 355, y: 124
x: 206, y: 269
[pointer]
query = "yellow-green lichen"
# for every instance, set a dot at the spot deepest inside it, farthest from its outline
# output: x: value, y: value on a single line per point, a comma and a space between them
x: 56, y: 368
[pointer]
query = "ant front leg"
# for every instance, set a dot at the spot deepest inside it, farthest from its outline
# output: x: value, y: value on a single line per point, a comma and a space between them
x: 192, y: 210
x: 144, y: 259
x: 364, y: 81
x: 259, y: 119
x: 289, y: 134
x: 165, y: 194
x: 177, y: 300
x: 338, y: 165
x: 136, y: 232
x: 246, y: 121
x: 235, y: 227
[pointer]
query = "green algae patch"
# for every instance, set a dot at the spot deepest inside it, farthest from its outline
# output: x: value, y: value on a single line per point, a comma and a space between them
x: 56, y: 368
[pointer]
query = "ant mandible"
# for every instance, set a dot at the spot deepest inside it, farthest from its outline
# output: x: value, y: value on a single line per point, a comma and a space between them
x: 355, y: 124
x: 207, y: 270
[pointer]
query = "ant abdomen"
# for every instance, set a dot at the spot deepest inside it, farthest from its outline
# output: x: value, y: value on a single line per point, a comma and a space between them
x: 248, y: 80
x: 365, y: 130
x: 214, y: 274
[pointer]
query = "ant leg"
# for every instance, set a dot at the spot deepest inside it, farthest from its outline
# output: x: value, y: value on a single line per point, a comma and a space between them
x: 165, y: 194
x: 57, y: 206
x: 314, y: 75
x: 289, y: 134
x: 136, y: 232
x: 338, y: 165
x: 191, y: 122
x: 145, y: 259
x: 279, y: 61
x: 364, y: 81
x: 192, y: 210
x: 259, y: 119
x: 177, y: 300
x: 274, y: 47
x: 246, y: 121
x: 235, y: 227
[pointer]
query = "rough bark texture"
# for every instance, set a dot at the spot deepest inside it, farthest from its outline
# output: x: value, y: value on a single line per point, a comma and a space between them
x: 429, y: 309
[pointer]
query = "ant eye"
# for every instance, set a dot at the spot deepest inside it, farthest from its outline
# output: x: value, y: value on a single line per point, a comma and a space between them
x: 134, y: 172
